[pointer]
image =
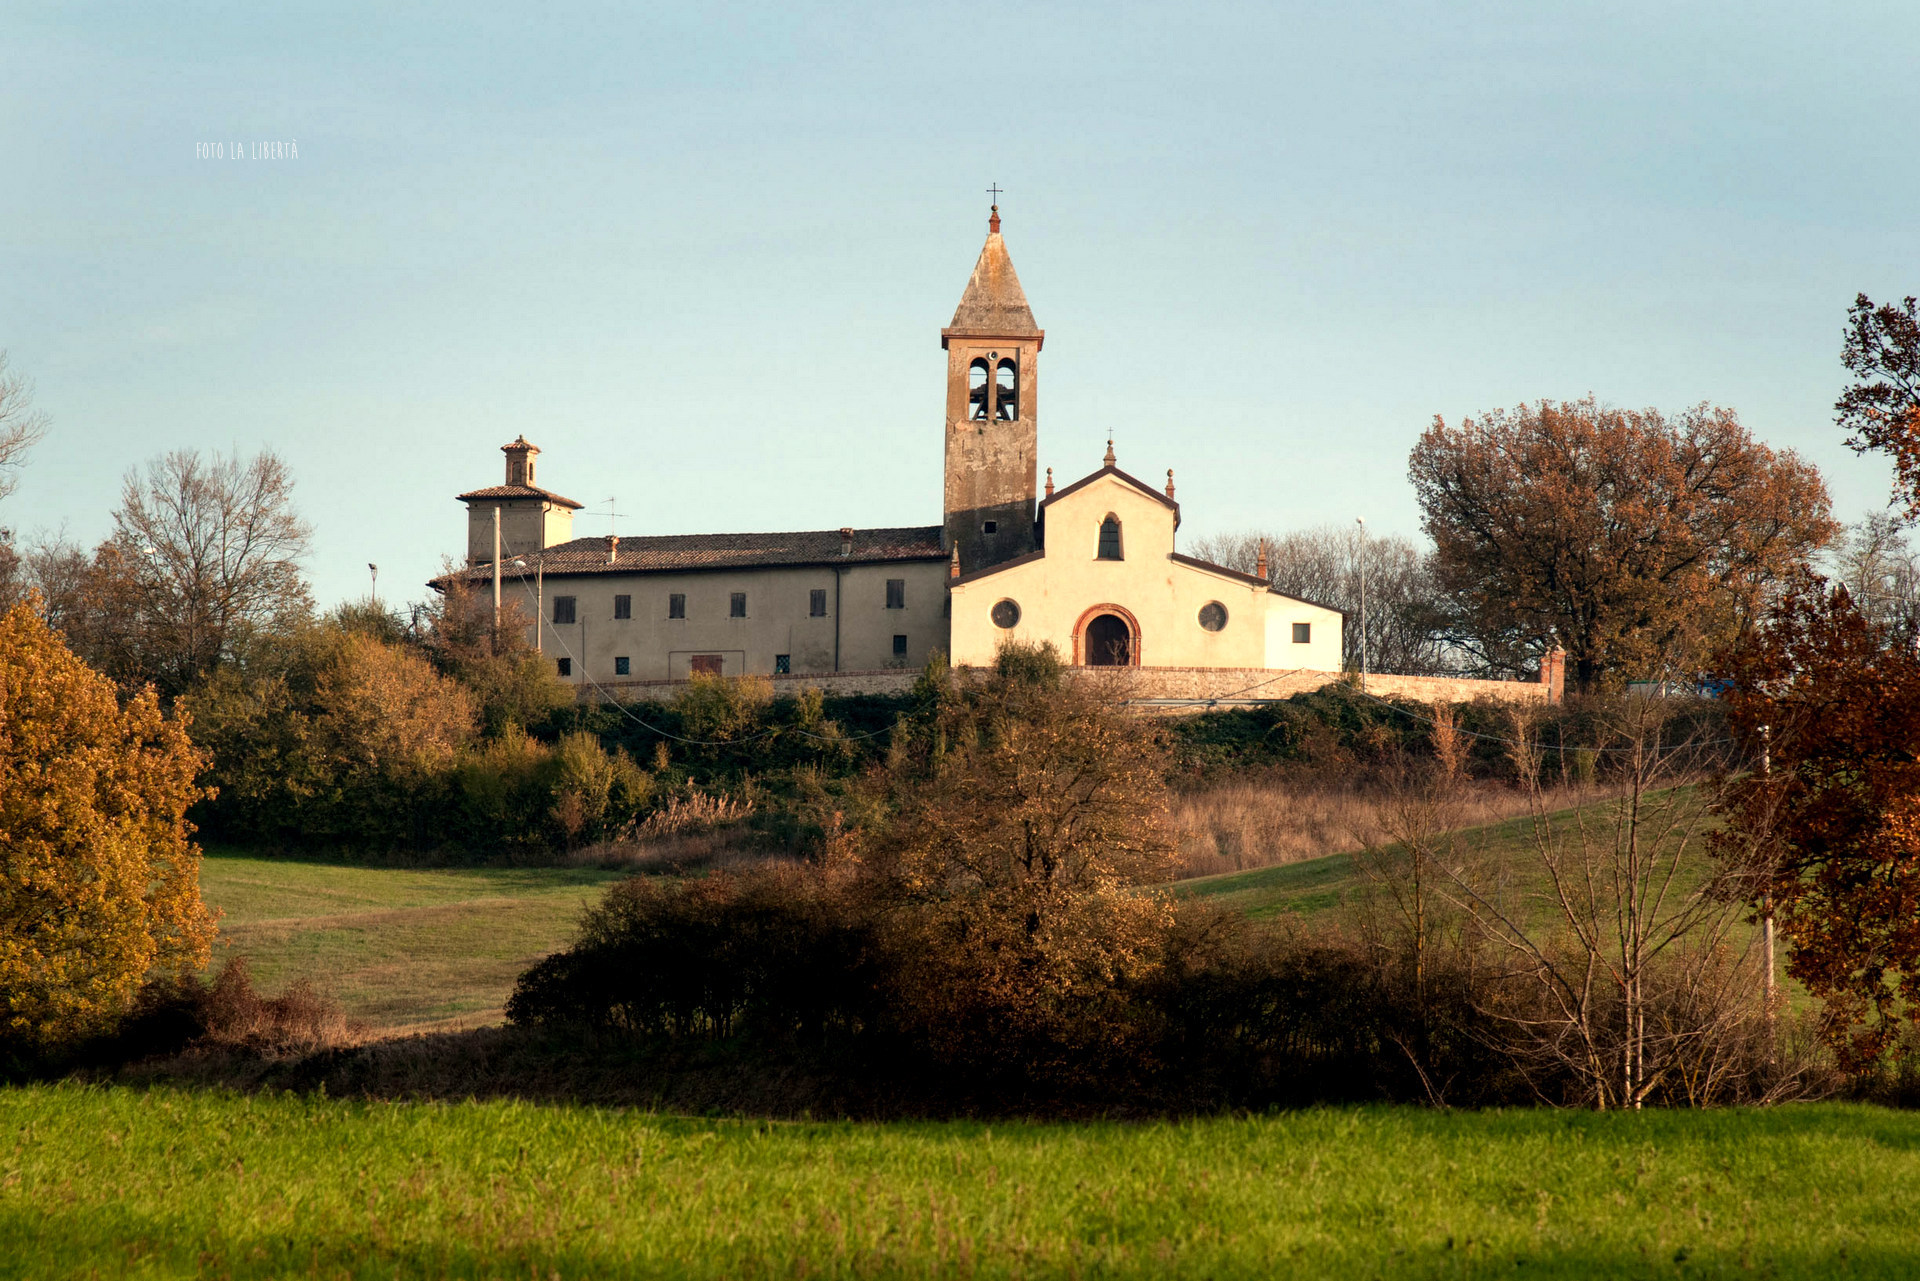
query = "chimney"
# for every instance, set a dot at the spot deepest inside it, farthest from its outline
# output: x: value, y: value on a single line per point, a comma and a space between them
x: 1260, y: 565
x: 1169, y: 482
x: 613, y: 548
x: 846, y: 540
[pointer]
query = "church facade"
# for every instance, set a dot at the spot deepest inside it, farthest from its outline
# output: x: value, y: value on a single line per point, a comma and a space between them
x: 1092, y: 568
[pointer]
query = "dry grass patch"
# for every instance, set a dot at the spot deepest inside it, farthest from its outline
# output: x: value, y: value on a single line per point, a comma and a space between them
x: 1247, y: 824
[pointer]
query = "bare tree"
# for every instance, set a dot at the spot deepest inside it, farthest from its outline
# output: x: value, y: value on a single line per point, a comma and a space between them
x: 21, y: 425
x: 1627, y: 973
x: 1324, y: 565
x: 208, y: 549
x: 1881, y: 571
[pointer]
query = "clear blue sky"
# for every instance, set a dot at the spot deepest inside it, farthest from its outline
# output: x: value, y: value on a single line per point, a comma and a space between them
x: 701, y: 254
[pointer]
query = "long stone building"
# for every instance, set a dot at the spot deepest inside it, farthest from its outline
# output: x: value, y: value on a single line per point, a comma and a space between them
x: 1093, y: 566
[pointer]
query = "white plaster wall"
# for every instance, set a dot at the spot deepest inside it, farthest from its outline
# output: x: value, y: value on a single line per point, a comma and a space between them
x: 777, y: 621
x: 1164, y: 596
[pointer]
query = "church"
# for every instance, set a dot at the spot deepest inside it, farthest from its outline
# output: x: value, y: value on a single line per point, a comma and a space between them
x: 1092, y: 566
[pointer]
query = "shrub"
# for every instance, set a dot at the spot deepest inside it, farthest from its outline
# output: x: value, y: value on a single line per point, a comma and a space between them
x: 101, y: 884
x: 777, y: 954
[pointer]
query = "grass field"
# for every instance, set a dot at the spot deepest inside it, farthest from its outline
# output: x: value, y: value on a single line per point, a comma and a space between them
x: 97, y: 1182
x: 397, y: 947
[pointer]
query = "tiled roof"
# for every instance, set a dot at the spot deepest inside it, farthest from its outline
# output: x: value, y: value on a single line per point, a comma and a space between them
x: 666, y: 553
x: 516, y: 491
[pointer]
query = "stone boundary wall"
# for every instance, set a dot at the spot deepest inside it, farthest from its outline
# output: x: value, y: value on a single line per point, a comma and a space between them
x: 1188, y: 688
x: 1232, y: 685
x: 882, y: 680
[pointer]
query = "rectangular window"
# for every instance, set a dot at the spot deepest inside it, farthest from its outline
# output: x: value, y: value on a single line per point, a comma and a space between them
x: 1302, y: 633
x: 782, y: 664
x: 899, y: 647
x: 623, y: 666
x: 566, y: 667
x: 737, y: 605
x: 896, y: 593
x: 817, y: 603
x: 676, y: 606
x: 563, y: 609
x: 989, y: 526
x: 623, y: 607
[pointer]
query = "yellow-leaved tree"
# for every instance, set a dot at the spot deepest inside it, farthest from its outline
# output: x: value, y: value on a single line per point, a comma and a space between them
x: 99, y: 881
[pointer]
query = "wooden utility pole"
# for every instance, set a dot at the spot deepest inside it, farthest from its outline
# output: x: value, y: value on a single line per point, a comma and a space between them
x: 496, y: 578
x: 1766, y: 898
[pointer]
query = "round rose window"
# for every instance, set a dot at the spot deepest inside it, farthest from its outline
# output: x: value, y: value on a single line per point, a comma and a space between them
x: 1006, y: 613
x: 1213, y: 616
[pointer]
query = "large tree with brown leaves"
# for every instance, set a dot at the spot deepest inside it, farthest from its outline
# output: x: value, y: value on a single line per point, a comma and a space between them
x: 1639, y: 542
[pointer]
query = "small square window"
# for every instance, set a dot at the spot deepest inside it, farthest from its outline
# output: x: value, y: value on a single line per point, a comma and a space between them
x: 989, y: 526
x: 737, y: 605
x: 782, y: 664
x: 817, y: 603
x: 899, y: 647
x: 676, y: 606
x: 563, y: 609
x: 623, y: 607
x: 566, y: 667
x: 1303, y: 633
x: 623, y: 666
x: 896, y: 593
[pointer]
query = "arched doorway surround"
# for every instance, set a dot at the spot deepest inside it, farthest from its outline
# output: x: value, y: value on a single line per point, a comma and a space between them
x: 1101, y: 632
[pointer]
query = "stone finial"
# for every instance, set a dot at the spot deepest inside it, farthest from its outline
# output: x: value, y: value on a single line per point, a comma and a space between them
x: 953, y: 562
x: 1169, y: 482
x: 993, y: 220
x: 1049, y: 482
x: 1108, y: 460
x: 1260, y: 564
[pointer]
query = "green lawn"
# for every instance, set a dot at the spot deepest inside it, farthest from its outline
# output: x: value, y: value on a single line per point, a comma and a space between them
x: 395, y: 946
x: 120, y: 1182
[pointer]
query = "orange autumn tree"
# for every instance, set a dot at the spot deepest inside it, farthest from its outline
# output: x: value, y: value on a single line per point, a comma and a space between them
x: 99, y: 881
x: 1638, y: 541
x: 1828, y: 832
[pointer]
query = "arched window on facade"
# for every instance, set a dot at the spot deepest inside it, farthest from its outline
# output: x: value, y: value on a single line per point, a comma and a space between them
x: 1006, y: 394
x: 1110, y: 538
x: 978, y: 377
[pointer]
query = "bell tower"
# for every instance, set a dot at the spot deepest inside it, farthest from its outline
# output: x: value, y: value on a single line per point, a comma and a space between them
x: 992, y: 440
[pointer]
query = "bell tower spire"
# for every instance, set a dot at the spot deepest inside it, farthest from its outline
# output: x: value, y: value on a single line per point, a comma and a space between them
x: 992, y: 436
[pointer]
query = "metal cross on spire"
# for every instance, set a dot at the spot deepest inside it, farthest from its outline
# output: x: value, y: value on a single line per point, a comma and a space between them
x: 994, y: 191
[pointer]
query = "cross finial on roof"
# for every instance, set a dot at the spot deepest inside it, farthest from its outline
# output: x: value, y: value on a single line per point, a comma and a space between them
x: 1108, y: 460
x: 993, y: 214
